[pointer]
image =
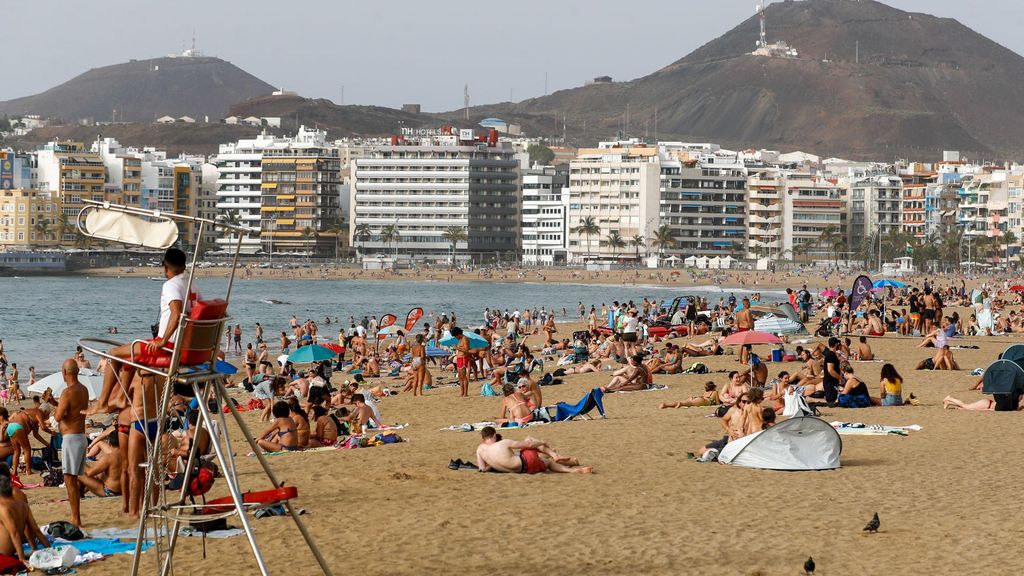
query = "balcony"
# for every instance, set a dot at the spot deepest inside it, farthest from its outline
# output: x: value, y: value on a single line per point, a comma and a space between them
x: 755, y: 219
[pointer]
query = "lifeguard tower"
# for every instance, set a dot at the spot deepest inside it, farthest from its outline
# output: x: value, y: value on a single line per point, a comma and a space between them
x: 189, y: 369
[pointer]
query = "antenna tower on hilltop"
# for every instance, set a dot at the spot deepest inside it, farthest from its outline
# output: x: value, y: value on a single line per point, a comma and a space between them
x: 465, y: 96
x: 763, y: 42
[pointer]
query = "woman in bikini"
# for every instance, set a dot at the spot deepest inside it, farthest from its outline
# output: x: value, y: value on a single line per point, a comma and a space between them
x: 515, y: 405
x: 301, y: 420
x: 708, y: 398
x: 326, y: 432
x: 281, y: 434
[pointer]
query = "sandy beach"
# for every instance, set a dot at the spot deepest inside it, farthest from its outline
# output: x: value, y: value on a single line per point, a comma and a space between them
x: 398, y: 509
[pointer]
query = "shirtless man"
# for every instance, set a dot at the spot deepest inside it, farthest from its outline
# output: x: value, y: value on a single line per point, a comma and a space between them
x: 495, y: 453
x: 173, y: 301
x: 144, y: 391
x: 462, y: 360
x: 71, y: 418
x: 14, y: 515
x: 864, y: 352
x: 33, y: 535
x: 744, y: 319
x: 928, y: 313
x: 104, y: 477
x: 362, y: 415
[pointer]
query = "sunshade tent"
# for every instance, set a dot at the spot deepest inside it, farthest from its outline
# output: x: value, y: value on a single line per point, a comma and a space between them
x: 690, y: 261
x: 92, y: 380
x: 805, y: 443
x: 1003, y: 377
x: 310, y: 354
x: 778, y: 325
x: 887, y: 283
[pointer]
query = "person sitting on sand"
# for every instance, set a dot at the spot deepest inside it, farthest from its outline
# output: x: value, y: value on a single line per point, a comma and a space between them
x: 734, y: 424
x: 942, y: 360
x: 938, y: 337
x: 281, y: 434
x: 854, y: 393
x: 103, y: 477
x: 863, y: 351
x: 362, y: 415
x: 514, y: 406
x: 632, y: 378
x: 708, y: 398
x: 326, y: 429
x: 777, y: 394
x: 534, y: 456
x: 891, y: 386
x: 735, y: 388
x: 670, y: 363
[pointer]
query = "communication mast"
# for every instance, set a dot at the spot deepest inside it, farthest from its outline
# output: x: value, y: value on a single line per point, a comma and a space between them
x: 465, y: 95
x: 763, y: 42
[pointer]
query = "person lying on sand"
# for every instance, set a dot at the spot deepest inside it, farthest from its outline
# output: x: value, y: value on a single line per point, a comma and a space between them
x: 943, y: 360
x: 708, y: 398
x: 534, y: 456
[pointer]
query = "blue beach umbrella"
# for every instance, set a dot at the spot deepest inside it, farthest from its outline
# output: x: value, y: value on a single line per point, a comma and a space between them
x: 476, y: 341
x: 886, y: 283
x: 310, y: 354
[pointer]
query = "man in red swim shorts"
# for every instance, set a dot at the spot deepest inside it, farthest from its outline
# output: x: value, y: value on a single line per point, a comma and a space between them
x: 462, y: 352
x: 497, y: 454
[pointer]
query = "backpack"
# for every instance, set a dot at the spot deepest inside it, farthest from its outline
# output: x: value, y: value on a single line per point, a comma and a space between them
x: 697, y: 368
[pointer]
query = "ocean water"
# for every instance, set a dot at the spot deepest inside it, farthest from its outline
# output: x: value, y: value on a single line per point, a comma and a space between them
x: 42, y: 318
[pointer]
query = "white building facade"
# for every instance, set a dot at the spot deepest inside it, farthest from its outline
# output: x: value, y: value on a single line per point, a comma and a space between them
x: 545, y: 216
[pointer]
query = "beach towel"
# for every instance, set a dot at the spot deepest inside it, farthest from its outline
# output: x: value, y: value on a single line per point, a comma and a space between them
x: 592, y: 400
x: 130, y: 533
x: 651, y: 388
x: 860, y: 429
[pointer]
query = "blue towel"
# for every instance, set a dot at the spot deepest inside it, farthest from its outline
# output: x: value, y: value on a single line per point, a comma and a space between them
x: 592, y: 400
x: 105, y: 546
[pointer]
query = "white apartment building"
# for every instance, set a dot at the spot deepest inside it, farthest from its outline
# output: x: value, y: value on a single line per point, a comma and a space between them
x: 789, y: 211
x: 618, y: 186
x: 420, y: 188
x: 703, y: 199
x: 239, y: 168
x: 876, y: 206
x: 545, y: 216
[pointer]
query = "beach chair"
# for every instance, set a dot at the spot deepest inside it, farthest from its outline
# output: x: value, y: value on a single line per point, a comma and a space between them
x: 189, y: 368
x: 593, y: 399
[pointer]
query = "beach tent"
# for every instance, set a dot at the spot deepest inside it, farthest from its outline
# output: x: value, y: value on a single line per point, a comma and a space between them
x: 1003, y: 376
x: 702, y: 262
x: 727, y: 262
x: 715, y: 263
x: 805, y: 443
x: 1014, y: 353
x: 593, y: 399
x: 779, y: 325
x: 690, y: 261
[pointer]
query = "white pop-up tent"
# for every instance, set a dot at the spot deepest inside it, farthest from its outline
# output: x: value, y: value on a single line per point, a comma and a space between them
x: 715, y: 263
x: 727, y: 262
x: 702, y: 262
x: 803, y: 443
x: 690, y: 261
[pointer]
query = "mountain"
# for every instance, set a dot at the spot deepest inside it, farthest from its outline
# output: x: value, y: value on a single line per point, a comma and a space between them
x: 337, y: 120
x: 143, y: 90
x: 870, y: 81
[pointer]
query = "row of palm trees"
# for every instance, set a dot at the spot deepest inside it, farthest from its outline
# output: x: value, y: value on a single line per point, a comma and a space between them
x: 390, y: 235
x: 48, y: 230
x: 663, y: 238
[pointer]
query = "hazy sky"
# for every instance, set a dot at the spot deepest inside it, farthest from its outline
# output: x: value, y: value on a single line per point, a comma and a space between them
x: 401, y: 51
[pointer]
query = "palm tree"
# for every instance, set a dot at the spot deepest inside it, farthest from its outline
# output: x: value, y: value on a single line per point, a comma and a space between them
x: 616, y: 242
x: 588, y: 227
x: 42, y: 229
x: 337, y: 229
x: 638, y: 242
x: 389, y: 235
x: 310, y: 234
x: 63, y: 226
x: 664, y: 237
x: 828, y: 237
x: 1007, y: 239
x: 454, y: 235
x: 362, y: 233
